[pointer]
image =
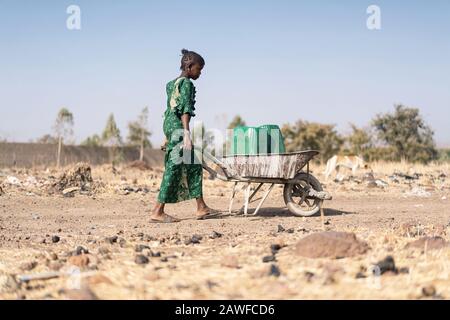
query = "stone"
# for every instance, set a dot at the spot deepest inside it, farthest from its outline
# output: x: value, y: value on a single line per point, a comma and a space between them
x: 140, y: 247
x: 28, y: 266
x: 55, y: 239
x: 274, y: 248
x: 111, y: 240
x: 80, y: 261
x: 80, y: 250
x: 429, y: 291
x: 268, y: 259
x: 330, y: 244
x: 308, y: 276
x: 274, y: 271
x: 385, y: 265
x: 280, y: 228
x: 428, y: 243
x: 215, y: 235
x: 141, y: 259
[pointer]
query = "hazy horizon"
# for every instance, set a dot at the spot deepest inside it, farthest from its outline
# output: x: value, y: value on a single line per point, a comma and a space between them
x: 270, y: 62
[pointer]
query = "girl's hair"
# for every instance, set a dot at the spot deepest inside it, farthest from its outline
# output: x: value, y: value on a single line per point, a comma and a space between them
x: 189, y: 58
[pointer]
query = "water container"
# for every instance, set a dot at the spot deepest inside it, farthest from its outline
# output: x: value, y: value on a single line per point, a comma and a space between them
x: 270, y: 139
x: 265, y: 139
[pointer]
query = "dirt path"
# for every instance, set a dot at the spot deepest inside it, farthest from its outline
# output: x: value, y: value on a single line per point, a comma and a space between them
x: 225, y: 267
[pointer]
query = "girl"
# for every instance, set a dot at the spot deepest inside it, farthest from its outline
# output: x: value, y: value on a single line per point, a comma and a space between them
x: 181, y: 181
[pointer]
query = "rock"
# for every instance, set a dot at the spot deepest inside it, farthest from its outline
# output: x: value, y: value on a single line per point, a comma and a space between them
x: 308, y: 276
x: 387, y: 264
x: 195, y: 239
x: 268, y: 259
x: 403, y: 270
x: 112, y: 239
x: 428, y: 243
x: 140, y: 247
x: 274, y: 248
x: 80, y: 250
x: 274, y: 271
x: 28, y: 266
x: 55, y: 239
x: 80, y: 261
x: 122, y: 242
x: 360, y: 275
x: 215, y: 235
x: 8, y: 283
x: 280, y: 228
x: 155, y: 254
x: 429, y: 291
x: 70, y: 191
x: 141, y: 259
x: 290, y: 230
x: 330, y: 244
x: 230, y: 262
x: 1, y: 191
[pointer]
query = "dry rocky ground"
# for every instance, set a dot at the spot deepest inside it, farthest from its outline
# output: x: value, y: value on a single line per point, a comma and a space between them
x: 386, y: 238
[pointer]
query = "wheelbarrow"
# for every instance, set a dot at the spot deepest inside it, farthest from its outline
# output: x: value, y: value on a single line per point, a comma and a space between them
x: 303, y: 193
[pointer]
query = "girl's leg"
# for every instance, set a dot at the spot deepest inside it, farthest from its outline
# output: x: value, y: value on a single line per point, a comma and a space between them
x: 202, y: 208
x: 159, y: 215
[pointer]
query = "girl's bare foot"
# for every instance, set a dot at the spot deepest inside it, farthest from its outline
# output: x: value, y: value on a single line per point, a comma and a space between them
x: 163, y: 218
x: 158, y: 215
x: 205, y: 212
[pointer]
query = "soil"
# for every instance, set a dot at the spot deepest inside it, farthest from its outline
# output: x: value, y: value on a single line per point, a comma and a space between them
x: 107, y: 238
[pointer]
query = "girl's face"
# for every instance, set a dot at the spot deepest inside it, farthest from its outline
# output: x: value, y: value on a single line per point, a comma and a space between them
x: 195, y: 71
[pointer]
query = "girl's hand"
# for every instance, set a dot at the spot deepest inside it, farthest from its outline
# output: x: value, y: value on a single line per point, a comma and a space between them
x: 164, y: 145
x: 187, y: 143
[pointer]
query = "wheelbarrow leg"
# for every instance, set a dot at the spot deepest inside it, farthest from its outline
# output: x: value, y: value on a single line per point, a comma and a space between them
x: 251, y: 196
x: 247, y: 196
x: 263, y: 199
x: 232, y: 197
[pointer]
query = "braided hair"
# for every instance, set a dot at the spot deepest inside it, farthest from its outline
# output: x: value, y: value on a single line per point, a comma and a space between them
x: 189, y: 58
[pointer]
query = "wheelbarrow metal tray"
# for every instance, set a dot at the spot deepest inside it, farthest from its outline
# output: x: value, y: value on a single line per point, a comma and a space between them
x: 281, y: 166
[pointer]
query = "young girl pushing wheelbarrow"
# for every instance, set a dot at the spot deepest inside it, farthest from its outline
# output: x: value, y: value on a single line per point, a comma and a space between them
x: 182, y: 180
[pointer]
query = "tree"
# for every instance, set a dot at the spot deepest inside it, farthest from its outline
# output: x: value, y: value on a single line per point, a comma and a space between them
x: 407, y: 133
x: 92, y: 141
x: 111, y: 138
x: 47, y: 139
x: 111, y: 133
x: 359, y: 141
x: 63, y: 129
x: 139, y: 134
x: 236, y: 122
x: 305, y: 135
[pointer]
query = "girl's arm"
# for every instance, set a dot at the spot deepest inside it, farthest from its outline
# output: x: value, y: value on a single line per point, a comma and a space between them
x: 187, y: 143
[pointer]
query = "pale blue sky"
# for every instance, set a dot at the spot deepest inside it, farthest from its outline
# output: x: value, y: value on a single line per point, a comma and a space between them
x: 270, y: 61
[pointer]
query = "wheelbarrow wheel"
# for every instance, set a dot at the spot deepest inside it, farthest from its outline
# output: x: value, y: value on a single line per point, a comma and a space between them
x: 296, y: 195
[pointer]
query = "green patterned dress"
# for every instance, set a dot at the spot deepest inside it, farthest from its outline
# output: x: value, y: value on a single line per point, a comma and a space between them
x: 182, y: 180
